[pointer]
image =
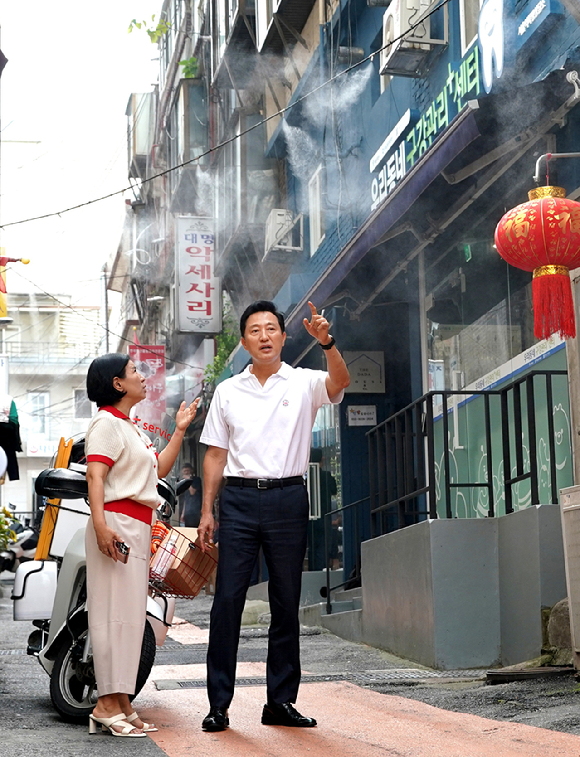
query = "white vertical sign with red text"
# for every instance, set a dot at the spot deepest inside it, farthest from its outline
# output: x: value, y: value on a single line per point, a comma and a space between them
x: 198, y: 291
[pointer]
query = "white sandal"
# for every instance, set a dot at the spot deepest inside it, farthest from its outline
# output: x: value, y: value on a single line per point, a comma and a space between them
x: 128, y: 730
x: 147, y: 727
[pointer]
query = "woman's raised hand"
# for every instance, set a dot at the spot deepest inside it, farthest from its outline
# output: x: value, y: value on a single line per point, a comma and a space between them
x: 185, y: 415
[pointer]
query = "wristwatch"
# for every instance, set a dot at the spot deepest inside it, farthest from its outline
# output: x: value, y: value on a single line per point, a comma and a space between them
x: 329, y: 345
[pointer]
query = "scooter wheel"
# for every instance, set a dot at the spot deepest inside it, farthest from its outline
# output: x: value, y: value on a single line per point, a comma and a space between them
x: 73, y: 689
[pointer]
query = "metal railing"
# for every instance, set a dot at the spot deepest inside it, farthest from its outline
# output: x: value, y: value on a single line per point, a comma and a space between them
x: 411, y: 459
x: 359, y: 513
x: 407, y: 484
x: 49, y: 352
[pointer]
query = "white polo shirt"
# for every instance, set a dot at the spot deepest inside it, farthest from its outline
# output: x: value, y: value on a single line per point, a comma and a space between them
x: 266, y: 429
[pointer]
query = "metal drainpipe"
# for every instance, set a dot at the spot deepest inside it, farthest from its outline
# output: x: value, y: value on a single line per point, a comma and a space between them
x: 322, y: 46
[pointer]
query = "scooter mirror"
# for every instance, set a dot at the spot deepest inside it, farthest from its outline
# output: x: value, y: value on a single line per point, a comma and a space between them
x: 166, y: 493
x: 182, y: 486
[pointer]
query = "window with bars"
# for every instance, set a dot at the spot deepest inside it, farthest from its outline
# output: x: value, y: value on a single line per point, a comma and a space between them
x: 37, y: 406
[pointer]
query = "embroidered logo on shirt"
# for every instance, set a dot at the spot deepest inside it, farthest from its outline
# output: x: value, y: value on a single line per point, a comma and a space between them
x: 285, y: 403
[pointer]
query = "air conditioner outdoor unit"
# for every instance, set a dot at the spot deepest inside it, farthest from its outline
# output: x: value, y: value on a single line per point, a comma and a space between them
x: 402, y: 55
x: 284, y: 234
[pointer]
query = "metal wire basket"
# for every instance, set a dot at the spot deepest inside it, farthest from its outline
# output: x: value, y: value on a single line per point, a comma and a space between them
x: 179, y: 568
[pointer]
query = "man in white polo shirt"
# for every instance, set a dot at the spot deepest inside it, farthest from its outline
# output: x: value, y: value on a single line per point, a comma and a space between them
x: 258, y: 434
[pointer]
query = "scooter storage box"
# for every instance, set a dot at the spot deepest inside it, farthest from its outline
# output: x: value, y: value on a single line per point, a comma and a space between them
x: 34, y: 590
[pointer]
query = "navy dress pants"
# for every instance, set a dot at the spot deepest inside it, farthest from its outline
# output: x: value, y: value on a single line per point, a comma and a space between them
x: 276, y: 520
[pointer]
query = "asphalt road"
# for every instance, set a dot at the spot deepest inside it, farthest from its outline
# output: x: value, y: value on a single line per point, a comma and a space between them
x: 29, y: 724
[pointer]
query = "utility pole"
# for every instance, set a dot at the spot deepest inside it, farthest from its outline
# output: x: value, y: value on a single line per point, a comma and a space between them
x: 105, y: 300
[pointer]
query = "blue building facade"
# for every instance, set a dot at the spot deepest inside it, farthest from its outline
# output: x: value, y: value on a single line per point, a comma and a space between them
x: 359, y: 154
x: 400, y: 135
x: 414, y: 169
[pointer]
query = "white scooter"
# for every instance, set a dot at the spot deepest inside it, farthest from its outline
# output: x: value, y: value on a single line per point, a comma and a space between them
x: 52, y: 594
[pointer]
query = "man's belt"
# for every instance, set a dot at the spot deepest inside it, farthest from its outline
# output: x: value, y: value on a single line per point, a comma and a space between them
x: 265, y: 483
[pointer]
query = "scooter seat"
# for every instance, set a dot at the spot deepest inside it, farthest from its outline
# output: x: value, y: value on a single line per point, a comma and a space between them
x: 61, y: 483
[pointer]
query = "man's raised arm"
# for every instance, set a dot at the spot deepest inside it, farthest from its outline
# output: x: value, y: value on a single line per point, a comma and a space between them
x: 338, y: 376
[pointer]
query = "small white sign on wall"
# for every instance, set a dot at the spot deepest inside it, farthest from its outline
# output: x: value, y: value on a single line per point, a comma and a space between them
x: 362, y: 415
x: 367, y: 372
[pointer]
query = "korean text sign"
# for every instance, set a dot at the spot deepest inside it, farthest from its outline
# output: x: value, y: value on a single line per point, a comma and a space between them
x: 198, y: 289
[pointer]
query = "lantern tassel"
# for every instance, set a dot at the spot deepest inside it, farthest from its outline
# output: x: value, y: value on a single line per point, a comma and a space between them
x: 553, y: 304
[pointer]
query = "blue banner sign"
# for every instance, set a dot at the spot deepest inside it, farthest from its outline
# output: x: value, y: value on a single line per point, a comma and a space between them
x: 411, y: 138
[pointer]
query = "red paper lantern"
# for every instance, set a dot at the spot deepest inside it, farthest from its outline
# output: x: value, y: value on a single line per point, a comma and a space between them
x: 543, y: 236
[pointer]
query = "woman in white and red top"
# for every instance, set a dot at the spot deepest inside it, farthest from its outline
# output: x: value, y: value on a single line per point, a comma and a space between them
x: 122, y: 473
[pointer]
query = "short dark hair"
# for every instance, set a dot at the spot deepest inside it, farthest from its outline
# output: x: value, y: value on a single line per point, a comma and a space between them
x: 261, y: 306
x: 100, y: 377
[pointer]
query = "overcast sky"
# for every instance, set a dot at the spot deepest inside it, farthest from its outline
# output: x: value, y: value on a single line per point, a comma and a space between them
x: 71, y: 68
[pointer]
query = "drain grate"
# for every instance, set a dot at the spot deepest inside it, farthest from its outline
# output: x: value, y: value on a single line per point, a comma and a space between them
x: 12, y: 651
x: 200, y: 683
x: 361, y: 678
x: 412, y: 674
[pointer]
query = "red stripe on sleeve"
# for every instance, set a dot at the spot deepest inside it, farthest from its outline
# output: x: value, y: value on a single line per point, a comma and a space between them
x: 100, y: 459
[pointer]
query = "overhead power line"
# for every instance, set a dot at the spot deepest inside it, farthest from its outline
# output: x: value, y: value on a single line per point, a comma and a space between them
x: 257, y: 125
x: 69, y: 307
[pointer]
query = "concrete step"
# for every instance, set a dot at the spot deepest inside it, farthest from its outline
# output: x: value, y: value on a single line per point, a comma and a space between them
x: 341, y: 595
x: 342, y: 606
x: 311, y: 615
x: 347, y: 625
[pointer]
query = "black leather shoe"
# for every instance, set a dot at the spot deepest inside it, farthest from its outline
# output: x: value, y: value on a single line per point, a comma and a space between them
x: 285, y: 714
x: 216, y: 720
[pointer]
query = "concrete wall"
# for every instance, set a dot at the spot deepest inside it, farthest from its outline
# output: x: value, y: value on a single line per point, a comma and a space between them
x: 312, y: 582
x: 532, y: 576
x: 397, y: 590
x: 466, y: 592
x: 464, y: 555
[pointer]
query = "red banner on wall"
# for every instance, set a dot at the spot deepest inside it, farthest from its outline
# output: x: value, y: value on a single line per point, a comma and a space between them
x: 150, y: 362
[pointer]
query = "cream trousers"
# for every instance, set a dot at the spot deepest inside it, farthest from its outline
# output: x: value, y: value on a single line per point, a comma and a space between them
x: 117, y: 602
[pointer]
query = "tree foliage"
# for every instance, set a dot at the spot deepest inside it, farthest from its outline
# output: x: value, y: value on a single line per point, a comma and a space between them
x: 226, y: 342
x: 155, y: 30
x: 7, y: 535
x: 190, y: 67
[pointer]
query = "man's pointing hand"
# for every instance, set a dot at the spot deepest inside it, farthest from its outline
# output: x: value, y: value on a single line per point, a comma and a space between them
x: 318, y: 326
